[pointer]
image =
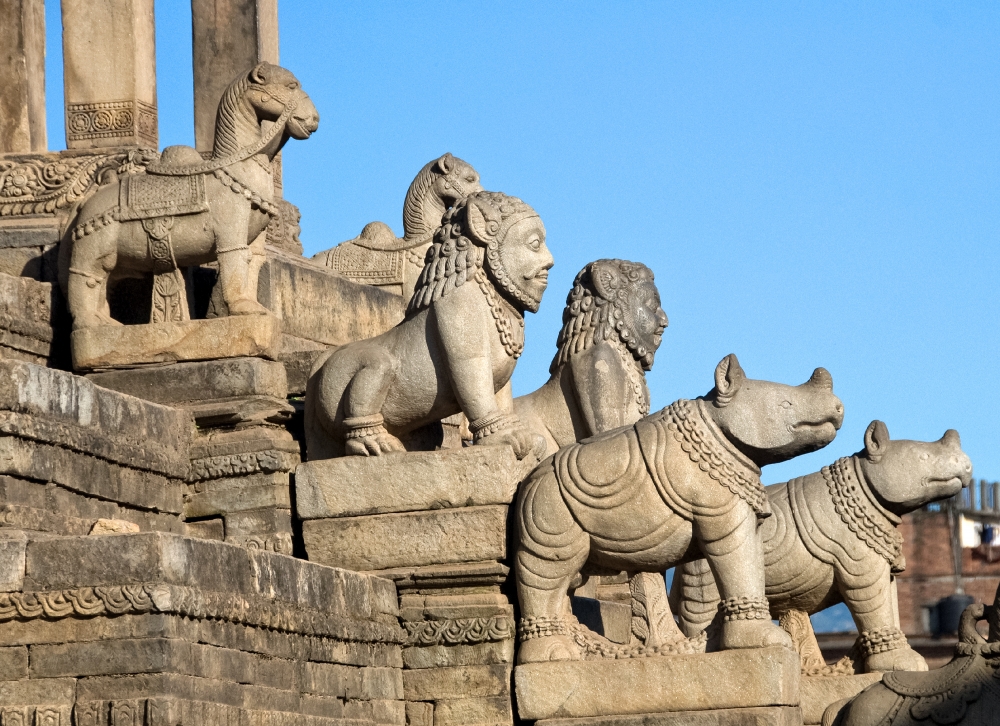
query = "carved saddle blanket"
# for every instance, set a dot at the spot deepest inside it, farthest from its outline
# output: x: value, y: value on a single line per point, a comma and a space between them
x: 375, y: 257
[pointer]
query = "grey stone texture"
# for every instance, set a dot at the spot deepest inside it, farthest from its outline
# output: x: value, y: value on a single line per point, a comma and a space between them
x: 33, y: 324
x: 764, y: 716
x: 109, y: 73
x: 22, y: 76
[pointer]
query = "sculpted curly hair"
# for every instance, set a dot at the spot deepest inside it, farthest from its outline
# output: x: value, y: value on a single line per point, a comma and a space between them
x: 597, y: 310
x: 470, y: 232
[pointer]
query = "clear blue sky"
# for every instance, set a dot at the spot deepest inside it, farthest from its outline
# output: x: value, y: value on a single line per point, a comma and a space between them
x: 813, y: 183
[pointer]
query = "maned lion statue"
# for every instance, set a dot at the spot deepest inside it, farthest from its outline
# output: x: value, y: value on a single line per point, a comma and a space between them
x: 377, y: 256
x: 456, y: 349
x: 680, y: 484
x: 834, y: 538
x: 612, y: 326
x: 184, y: 210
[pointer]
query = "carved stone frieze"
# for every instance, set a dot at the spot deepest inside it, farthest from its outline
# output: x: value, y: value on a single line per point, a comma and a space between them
x: 126, y: 120
x: 255, y: 462
x: 36, y: 715
x: 459, y: 631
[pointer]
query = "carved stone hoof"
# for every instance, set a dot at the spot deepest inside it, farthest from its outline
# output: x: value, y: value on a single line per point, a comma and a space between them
x: 373, y: 445
x: 900, y: 659
x: 247, y: 307
x: 753, y: 634
x: 546, y: 648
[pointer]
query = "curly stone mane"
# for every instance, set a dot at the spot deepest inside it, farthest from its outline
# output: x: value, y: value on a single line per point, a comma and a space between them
x: 595, y: 310
x: 470, y: 232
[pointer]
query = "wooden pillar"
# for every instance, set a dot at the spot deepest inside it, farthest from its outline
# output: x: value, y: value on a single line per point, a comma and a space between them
x: 109, y: 68
x: 22, y: 76
x: 229, y: 38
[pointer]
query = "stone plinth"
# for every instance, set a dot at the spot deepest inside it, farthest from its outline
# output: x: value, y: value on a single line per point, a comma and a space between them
x: 161, y: 629
x: 126, y: 346
x: 734, y: 679
x: 109, y: 73
x: 22, y: 76
x: 421, y: 481
x: 32, y: 316
x: 767, y: 716
x: 72, y: 453
x: 818, y: 692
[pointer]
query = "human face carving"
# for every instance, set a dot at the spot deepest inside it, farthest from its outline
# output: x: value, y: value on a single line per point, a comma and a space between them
x: 527, y: 260
x: 648, y: 317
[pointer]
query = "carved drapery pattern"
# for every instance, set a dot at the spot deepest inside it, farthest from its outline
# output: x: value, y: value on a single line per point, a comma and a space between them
x: 36, y: 715
x: 192, y: 603
x: 460, y: 631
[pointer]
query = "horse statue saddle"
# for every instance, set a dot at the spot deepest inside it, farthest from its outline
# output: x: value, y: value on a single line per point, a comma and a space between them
x: 374, y: 257
x: 149, y: 195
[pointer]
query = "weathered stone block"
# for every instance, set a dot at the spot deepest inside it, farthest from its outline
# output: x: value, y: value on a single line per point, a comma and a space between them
x: 460, y: 711
x: 12, y: 547
x: 356, y: 485
x: 435, y: 684
x: 112, y: 346
x: 818, y: 692
x: 764, y: 716
x: 61, y: 409
x: 613, y: 620
x: 31, y: 313
x: 13, y: 663
x: 234, y: 494
x: 443, y: 656
x: 419, y: 714
x: 728, y: 679
x: 44, y: 690
x: 382, y: 541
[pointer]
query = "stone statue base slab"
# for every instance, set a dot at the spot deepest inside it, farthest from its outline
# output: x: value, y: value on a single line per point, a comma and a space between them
x: 414, y: 481
x: 127, y: 346
x: 765, y: 716
x: 387, y: 541
x: 732, y: 679
x: 818, y: 692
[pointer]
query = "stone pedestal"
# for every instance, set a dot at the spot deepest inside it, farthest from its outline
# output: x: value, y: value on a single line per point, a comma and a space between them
x: 239, y: 483
x: 766, y: 716
x: 436, y: 524
x: 161, y: 630
x: 72, y: 453
x: 109, y: 73
x: 734, y: 679
x: 127, y: 346
x: 22, y: 76
x: 818, y: 692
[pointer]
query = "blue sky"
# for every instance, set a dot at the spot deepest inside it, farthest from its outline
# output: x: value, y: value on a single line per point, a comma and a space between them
x: 812, y: 183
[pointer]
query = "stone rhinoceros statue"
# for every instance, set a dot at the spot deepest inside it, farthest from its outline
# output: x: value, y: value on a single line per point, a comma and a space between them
x: 833, y: 538
x: 682, y: 483
x: 965, y: 692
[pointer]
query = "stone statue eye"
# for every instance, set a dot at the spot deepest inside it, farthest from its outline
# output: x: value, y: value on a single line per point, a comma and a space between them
x: 535, y: 243
x: 786, y: 404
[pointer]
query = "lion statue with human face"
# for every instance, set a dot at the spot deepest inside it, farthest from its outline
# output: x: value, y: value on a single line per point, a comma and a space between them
x: 612, y: 327
x: 456, y: 349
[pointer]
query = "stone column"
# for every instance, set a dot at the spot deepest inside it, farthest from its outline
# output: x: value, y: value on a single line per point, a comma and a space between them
x: 229, y: 37
x: 109, y: 65
x: 22, y: 76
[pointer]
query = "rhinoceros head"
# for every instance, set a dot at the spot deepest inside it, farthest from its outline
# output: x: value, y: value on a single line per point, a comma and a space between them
x: 905, y: 475
x: 773, y: 422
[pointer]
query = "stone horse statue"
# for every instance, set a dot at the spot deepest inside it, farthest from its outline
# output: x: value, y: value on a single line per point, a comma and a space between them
x: 378, y: 257
x: 183, y: 210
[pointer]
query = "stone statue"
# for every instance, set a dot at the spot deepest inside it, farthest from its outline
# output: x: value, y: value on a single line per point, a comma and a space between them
x: 187, y: 211
x: 680, y: 482
x: 377, y: 256
x: 833, y: 538
x: 612, y: 326
x: 456, y: 349
x: 965, y: 692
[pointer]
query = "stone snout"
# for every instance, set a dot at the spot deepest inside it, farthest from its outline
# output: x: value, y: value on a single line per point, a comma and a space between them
x: 906, y: 475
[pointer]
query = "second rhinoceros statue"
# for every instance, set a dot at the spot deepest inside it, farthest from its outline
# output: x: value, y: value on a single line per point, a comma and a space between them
x: 680, y: 484
x: 833, y: 538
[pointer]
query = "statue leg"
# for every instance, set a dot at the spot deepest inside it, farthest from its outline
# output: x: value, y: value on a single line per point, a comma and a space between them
x: 363, y: 400
x: 732, y: 545
x: 236, y: 268
x: 93, y: 258
x: 551, y: 549
x: 871, y: 598
x: 694, y: 597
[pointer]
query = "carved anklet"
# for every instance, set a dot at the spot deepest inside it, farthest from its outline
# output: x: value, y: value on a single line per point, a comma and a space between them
x: 745, y: 608
x: 490, y: 424
x: 541, y: 627
x: 881, y: 640
x: 361, y: 426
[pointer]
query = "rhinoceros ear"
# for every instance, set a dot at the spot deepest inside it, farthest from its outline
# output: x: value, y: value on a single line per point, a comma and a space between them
x: 876, y: 440
x: 729, y: 376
